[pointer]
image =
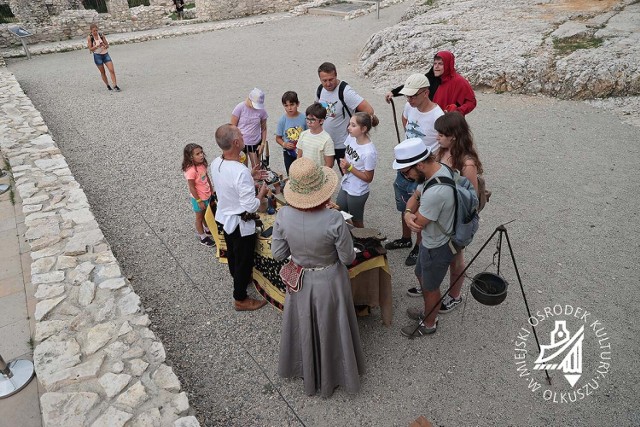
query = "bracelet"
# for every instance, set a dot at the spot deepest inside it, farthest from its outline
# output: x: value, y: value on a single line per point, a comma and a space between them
x: 408, y: 210
x: 349, y: 168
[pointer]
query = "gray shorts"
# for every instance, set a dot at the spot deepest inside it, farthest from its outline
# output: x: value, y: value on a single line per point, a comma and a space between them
x: 432, y: 266
x: 352, y: 204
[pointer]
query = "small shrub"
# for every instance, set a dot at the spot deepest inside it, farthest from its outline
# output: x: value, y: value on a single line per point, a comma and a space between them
x: 567, y: 46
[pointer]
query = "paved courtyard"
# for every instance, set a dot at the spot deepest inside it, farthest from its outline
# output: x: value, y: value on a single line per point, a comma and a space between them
x: 564, y: 171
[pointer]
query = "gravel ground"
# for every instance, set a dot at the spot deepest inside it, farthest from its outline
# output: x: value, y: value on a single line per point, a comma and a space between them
x: 564, y: 171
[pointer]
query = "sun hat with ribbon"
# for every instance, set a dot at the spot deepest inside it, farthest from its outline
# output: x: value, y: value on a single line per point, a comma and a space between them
x: 309, y: 184
x: 409, y: 152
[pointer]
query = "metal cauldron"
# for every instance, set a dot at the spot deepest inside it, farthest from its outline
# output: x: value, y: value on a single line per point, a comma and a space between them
x: 489, y: 288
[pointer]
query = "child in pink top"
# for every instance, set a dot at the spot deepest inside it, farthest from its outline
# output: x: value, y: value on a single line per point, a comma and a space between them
x: 194, y: 166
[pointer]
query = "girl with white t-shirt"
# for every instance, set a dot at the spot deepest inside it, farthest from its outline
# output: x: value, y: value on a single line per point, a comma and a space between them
x: 358, y: 166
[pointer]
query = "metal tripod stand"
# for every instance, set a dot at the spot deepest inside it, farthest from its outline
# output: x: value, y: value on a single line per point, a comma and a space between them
x: 501, y: 230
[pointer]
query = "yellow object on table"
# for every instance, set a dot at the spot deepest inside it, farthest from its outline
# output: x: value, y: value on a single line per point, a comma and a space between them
x: 370, y: 279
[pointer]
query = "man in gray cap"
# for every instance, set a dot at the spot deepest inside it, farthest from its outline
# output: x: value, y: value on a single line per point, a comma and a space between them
x: 418, y: 117
x: 430, y: 213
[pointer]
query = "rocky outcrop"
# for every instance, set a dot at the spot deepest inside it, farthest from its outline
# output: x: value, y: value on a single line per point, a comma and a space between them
x: 572, y: 49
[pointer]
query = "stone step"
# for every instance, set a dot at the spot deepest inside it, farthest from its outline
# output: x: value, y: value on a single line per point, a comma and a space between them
x: 340, y: 9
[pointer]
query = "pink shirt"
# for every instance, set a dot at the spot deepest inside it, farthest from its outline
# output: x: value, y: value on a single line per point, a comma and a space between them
x: 199, y: 175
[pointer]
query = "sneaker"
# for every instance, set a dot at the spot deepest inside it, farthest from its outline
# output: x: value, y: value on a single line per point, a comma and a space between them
x: 207, y: 242
x: 412, y: 259
x: 109, y: 87
x: 416, y: 313
x: 419, y: 330
x: 399, y: 244
x: 207, y: 232
x: 449, y: 303
x: 414, y: 292
x: 116, y: 88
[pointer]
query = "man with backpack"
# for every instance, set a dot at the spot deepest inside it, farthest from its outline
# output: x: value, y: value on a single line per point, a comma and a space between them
x: 341, y: 101
x: 434, y: 211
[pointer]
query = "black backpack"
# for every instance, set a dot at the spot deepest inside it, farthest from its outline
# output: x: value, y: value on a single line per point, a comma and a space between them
x: 341, y: 87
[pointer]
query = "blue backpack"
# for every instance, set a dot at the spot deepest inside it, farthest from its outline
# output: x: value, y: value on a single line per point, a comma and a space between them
x: 466, y: 220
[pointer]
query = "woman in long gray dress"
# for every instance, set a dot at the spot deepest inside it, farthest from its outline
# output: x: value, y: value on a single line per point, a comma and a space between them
x: 320, y: 340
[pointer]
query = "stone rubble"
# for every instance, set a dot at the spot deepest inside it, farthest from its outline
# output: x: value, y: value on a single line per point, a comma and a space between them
x: 570, y: 49
x: 97, y: 359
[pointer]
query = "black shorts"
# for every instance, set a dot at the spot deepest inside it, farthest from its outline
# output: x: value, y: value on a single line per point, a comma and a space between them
x: 251, y: 148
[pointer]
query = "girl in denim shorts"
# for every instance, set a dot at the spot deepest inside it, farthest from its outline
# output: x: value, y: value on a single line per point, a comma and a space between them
x: 99, y: 46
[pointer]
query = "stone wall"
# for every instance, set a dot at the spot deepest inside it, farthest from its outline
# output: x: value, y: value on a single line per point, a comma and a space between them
x: 54, y: 23
x: 95, y: 356
x: 75, y: 23
x: 216, y: 10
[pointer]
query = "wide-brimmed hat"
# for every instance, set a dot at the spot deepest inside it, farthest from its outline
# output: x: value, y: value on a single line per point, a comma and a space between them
x: 414, y: 83
x: 309, y: 184
x: 256, y: 96
x: 409, y: 152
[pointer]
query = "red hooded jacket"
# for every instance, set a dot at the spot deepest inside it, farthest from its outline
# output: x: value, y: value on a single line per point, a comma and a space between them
x: 454, y: 89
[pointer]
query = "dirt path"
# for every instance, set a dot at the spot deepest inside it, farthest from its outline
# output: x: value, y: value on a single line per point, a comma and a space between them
x: 564, y: 171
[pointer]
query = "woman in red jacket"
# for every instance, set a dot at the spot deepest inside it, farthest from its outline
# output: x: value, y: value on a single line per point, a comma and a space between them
x: 448, y: 89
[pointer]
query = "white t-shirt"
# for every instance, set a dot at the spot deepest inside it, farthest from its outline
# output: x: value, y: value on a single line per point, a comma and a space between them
x: 437, y: 204
x: 362, y: 157
x: 236, y: 194
x: 316, y: 146
x: 420, y: 125
x: 336, y: 122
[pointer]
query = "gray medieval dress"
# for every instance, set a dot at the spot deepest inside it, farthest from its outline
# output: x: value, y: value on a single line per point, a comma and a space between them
x: 320, y: 340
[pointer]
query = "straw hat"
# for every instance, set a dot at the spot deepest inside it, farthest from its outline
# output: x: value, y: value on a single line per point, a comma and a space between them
x: 309, y: 184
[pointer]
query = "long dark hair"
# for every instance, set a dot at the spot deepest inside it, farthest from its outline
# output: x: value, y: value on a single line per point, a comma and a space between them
x: 454, y: 125
x: 187, y: 160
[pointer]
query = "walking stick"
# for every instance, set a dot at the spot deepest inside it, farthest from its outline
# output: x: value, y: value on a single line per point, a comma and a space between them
x: 395, y: 119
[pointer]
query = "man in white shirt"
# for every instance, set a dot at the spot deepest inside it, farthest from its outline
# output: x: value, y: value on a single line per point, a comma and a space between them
x: 420, y: 113
x: 235, y: 190
x: 339, y: 111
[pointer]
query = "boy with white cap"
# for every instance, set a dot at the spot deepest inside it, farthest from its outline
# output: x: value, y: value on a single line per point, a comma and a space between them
x: 430, y: 213
x: 251, y: 118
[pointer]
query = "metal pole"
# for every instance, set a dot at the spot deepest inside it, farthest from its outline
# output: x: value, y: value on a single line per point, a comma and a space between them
x: 26, y: 49
x: 15, y: 376
x: 4, y: 369
x: 524, y: 297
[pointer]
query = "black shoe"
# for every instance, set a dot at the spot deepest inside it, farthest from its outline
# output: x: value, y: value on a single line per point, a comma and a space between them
x: 404, y: 242
x: 116, y: 88
x: 414, y: 292
x: 412, y: 259
x: 207, y: 242
x: 449, y: 303
x: 109, y: 87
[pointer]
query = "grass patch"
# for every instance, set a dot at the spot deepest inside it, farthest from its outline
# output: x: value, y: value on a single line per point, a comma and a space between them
x: 427, y: 3
x: 12, y: 195
x: 567, y: 46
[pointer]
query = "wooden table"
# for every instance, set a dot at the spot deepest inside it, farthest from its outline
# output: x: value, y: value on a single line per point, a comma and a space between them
x: 370, y: 279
